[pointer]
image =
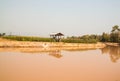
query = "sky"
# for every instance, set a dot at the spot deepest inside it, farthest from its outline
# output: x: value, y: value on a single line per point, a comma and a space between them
x: 70, y: 17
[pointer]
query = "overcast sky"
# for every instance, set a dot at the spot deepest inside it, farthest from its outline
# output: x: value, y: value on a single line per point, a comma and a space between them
x: 71, y: 17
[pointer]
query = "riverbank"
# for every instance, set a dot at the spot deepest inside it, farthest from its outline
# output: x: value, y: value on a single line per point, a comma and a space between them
x: 112, y: 44
x: 4, y: 43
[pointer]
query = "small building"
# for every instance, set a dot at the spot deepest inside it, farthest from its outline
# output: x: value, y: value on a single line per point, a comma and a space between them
x: 56, y: 36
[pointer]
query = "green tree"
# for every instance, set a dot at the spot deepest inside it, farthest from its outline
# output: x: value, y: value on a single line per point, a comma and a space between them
x: 115, y: 29
x: 105, y: 37
x: 114, y: 37
x: 2, y: 34
x: 115, y: 34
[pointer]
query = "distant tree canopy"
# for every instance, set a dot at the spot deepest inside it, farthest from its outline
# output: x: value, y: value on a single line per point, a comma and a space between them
x: 114, y: 36
x: 115, y: 28
x: 2, y: 34
x: 82, y: 39
x: 105, y: 37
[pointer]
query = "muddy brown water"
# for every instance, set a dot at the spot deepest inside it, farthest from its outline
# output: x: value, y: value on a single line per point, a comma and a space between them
x: 61, y: 65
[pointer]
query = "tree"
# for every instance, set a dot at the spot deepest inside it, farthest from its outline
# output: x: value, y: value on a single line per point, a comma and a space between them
x: 115, y: 34
x: 2, y: 34
x: 115, y: 29
x: 114, y: 37
x: 105, y: 37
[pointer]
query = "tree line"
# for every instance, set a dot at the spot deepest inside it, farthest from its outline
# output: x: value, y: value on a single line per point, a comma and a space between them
x: 2, y: 34
x: 113, y: 36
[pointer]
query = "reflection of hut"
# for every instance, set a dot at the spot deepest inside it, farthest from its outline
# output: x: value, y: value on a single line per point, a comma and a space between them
x: 56, y: 53
x: 56, y: 36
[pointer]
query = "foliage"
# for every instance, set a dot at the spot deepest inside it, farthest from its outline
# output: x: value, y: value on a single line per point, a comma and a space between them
x: 115, y: 28
x: 82, y: 39
x: 114, y: 36
x: 2, y: 34
x: 105, y: 37
x: 26, y: 38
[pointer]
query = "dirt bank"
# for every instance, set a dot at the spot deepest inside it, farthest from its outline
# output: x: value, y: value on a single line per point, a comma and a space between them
x: 112, y: 44
x: 48, y: 45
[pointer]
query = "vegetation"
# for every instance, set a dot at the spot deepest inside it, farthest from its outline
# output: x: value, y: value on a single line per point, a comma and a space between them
x: 82, y: 39
x: 114, y: 36
x: 2, y: 34
x: 27, y: 38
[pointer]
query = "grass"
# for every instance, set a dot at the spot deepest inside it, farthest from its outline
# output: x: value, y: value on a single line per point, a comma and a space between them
x: 27, y: 38
x: 43, y: 39
x: 79, y: 40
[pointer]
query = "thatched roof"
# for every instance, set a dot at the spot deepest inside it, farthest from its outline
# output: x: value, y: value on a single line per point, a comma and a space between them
x: 57, y: 34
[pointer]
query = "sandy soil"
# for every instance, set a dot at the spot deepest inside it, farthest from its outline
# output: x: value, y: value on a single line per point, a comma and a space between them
x: 45, y: 46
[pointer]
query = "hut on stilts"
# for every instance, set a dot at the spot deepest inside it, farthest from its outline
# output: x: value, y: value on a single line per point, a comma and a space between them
x: 57, y: 36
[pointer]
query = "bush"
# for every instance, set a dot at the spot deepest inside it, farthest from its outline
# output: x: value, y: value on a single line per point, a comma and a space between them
x: 79, y: 40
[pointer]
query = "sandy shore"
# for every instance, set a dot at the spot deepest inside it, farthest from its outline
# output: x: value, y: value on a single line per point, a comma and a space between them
x: 112, y: 44
x: 48, y: 45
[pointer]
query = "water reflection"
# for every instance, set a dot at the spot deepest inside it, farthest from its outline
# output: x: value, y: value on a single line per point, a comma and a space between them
x: 77, y: 65
x: 113, y: 51
x: 56, y: 53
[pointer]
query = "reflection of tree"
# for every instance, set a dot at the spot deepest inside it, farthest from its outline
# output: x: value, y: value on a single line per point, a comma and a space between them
x: 105, y: 50
x: 113, y: 51
x: 56, y: 53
